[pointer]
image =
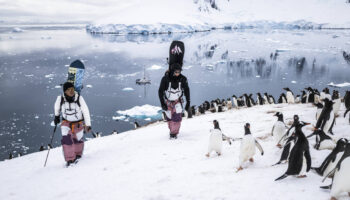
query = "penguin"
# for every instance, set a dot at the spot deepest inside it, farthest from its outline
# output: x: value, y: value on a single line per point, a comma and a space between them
x: 319, y: 110
x: 282, y: 98
x: 114, y: 132
x: 299, y: 161
x: 248, y: 146
x: 234, y: 101
x: 278, y: 129
x: 326, y: 119
x: 266, y: 98
x: 229, y: 104
x: 337, y: 102
x: 215, y: 140
x: 201, y: 110
x: 297, y: 99
x: 252, y: 100
x: 341, y: 175
x: 347, y: 103
x: 10, y: 156
x: 206, y: 105
x: 98, y: 134
x: 289, y: 95
x: 136, y: 125
x: 41, y: 148
x: 332, y: 159
x: 49, y: 146
x: 325, y: 94
x: 317, y: 96
x: 247, y: 100
x: 303, y: 97
x: 272, y: 99
x: 213, y: 107
x: 19, y: 155
x: 241, y: 102
x: 259, y: 99
x: 310, y: 95
x: 323, y: 141
x: 290, y: 141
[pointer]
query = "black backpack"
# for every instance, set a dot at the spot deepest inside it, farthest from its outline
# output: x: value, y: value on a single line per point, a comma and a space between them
x: 176, y: 53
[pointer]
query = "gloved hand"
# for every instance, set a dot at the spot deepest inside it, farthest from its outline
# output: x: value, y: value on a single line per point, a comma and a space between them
x: 187, y: 105
x: 164, y: 107
x: 87, y: 129
x: 57, y: 120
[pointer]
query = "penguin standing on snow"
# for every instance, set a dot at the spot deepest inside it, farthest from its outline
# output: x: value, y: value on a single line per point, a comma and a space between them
x: 260, y: 100
x: 332, y: 159
x: 248, y: 101
x: 299, y: 159
x: 215, y: 139
x: 310, y: 95
x: 347, y: 103
x: 282, y: 99
x: 325, y: 94
x: 248, y: 146
x: 229, y: 104
x: 234, y: 101
x: 337, y: 102
x: 341, y: 175
x: 303, y: 97
x: 323, y: 141
x: 278, y: 129
x: 272, y: 99
x: 289, y: 95
x: 266, y: 98
x: 297, y: 99
x: 326, y: 119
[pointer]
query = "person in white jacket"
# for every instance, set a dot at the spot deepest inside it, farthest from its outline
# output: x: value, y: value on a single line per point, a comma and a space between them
x: 75, y: 120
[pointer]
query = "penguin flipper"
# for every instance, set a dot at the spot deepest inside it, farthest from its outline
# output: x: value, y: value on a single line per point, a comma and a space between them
x: 259, y: 147
x: 308, y: 160
x: 281, y: 177
x: 327, y: 187
x: 346, y: 112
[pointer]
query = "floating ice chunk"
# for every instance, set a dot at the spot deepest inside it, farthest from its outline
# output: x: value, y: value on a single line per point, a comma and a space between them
x: 142, y: 112
x: 155, y: 67
x: 17, y: 30
x: 29, y: 75
x: 36, y: 117
x: 49, y: 76
x: 118, y: 118
x: 128, y: 89
x: 57, y: 86
x: 257, y: 76
x: 89, y: 86
x: 293, y: 82
x: 148, y: 119
x: 187, y: 67
x: 346, y: 84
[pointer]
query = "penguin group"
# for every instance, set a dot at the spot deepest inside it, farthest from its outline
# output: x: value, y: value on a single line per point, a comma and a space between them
x: 293, y: 142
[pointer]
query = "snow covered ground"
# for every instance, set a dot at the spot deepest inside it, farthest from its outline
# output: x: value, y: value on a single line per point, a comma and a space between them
x: 145, y: 164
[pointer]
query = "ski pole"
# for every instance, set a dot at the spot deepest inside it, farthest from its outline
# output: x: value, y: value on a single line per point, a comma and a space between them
x: 54, y: 130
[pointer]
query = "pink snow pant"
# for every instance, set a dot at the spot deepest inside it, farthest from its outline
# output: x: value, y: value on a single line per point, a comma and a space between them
x: 174, y: 123
x: 72, y: 139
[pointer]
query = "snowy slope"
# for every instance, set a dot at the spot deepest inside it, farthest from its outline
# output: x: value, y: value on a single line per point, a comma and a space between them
x: 145, y: 164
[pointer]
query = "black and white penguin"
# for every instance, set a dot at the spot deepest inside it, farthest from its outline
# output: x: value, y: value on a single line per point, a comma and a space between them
x: 298, y: 99
x: 279, y: 130
x: 347, y: 103
x: 325, y: 94
x: 114, y: 132
x: 310, y: 95
x: 98, y: 134
x: 252, y: 100
x: 10, y: 156
x: 317, y: 96
x: 234, y: 101
x: 241, y: 102
x: 266, y: 98
x: 41, y: 148
x: 259, y: 99
x: 206, y: 105
x: 282, y: 99
x: 303, y: 97
x: 248, y: 101
x: 248, y: 145
x: 229, y: 104
x: 326, y: 119
x: 319, y: 110
x: 299, y: 161
x: 341, y: 175
x: 213, y: 107
x: 332, y: 159
x: 193, y: 111
x: 272, y: 99
x: 289, y: 95
x: 337, y: 102
x: 216, y: 139
x: 136, y: 125
x: 323, y: 141
x: 201, y: 110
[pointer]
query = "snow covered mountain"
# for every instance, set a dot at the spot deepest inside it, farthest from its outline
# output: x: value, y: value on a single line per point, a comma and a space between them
x: 163, y: 16
x: 145, y: 164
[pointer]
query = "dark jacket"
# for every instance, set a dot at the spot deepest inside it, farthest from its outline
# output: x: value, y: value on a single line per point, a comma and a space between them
x: 164, y: 84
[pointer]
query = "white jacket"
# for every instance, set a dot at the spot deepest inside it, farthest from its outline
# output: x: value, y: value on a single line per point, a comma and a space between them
x: 71, y: 111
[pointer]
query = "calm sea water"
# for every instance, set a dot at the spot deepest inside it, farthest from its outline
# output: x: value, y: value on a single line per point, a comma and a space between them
x: 218, y: 64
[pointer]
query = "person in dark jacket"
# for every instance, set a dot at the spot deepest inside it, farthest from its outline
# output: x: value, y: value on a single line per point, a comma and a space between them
x: 172, y: 88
